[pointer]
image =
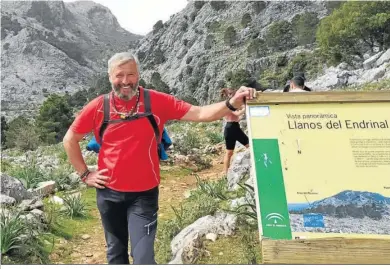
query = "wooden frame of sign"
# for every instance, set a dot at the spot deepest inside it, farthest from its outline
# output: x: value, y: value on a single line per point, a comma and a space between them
x: 327, y: 250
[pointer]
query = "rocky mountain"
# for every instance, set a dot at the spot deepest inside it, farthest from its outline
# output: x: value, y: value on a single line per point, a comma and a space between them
x: 358, y: 198
x: 190, y: 52
x: 196, y: 49
x: 344, y: 198
x: 54, y: 47
x: 348, y: 203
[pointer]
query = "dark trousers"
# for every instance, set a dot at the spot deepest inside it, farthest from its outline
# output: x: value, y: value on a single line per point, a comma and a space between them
x: 129, y: 213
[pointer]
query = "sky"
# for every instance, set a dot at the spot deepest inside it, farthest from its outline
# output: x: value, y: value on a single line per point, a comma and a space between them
x: 139, y: 16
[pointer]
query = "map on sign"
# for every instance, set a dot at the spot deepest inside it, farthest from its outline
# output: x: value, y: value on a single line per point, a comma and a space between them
x: 321, y: 169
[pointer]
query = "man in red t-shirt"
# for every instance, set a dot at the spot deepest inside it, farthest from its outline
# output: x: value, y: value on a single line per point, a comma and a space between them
x: 128, y: 173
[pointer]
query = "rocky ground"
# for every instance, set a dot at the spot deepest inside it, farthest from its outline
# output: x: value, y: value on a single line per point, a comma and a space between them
x: 195, y: 213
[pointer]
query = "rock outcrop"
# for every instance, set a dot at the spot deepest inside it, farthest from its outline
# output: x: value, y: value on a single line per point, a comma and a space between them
x: 54, y: 47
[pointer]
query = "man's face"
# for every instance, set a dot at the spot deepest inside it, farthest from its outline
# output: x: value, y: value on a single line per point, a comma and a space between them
x: 124, y: 79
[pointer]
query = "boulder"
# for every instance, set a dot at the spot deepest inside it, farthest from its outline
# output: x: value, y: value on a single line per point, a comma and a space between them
x: 372, y: 74
x: 371, y: 62
x: 385, y: 58
x: 14, y: 188
x: 45, y: 188
x: 240, y: 167
x: 6, y: 200
x: 222, y: 223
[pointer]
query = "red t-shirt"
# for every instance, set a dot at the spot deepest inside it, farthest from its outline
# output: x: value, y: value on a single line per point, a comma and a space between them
x: 129, y: 150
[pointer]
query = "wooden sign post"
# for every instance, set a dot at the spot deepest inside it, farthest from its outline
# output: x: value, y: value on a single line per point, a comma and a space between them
x: 321, y: 165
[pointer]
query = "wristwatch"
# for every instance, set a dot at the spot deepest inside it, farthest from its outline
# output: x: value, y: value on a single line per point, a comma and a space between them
x: 232, y: 108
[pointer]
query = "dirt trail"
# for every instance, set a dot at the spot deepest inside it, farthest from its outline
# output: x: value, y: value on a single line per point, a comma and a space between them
x: 92, y: 250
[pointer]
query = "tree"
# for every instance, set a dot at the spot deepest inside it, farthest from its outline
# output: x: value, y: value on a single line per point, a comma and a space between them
x: 158, y: 56
x: 305, y: 27
x: 354, y: 28
x: 101, y: 85
x: 55, y: 117
x: 158, y: 83
x: 279, y: 36
x: 259, y: 6
x: 142, y: 83
x: 4, y: 128
x: 159, y: 25
x: 246, y: 20
x: 230, y: 35
x: 78, y: 99
x: 199, y: 4
x: 256, y: 48
x: 209, y: 42
x: 238, y: 78
x: 218, y: 5
x: 21, y: 134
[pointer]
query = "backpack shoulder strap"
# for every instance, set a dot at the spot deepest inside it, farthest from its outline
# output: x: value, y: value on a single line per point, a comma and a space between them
x: 106, y: 113
x: 150, y: 115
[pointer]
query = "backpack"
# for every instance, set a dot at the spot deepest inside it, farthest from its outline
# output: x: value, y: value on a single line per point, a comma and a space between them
x: 163, y: 143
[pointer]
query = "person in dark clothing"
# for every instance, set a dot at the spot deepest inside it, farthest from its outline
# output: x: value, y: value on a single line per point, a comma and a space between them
x: 296, y: 84
x: 253, y: 83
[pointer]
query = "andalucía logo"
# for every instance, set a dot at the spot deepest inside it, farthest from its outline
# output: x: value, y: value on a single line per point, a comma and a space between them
x: 275, y: 220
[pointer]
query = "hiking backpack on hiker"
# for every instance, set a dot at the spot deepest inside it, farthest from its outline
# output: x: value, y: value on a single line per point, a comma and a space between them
x: 163, y: 143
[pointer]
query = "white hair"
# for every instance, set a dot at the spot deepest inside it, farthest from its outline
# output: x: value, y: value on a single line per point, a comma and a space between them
x: 121, y: 58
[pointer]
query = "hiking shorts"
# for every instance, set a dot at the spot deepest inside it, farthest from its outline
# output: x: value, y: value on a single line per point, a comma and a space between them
x: 129, y: 214
x: 233, y: 133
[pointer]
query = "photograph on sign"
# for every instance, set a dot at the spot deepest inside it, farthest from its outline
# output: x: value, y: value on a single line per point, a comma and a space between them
x: 321, y: 169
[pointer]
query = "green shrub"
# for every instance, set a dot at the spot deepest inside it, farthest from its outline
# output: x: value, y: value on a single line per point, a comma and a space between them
x: 353, y: 28
x: 215, y: 189
x: 10, y: 25
x: 184, y: 26
x: 304, y: 28
x: 61, y: 177
x: 158, y: 56
x: 213, y: 26
x: 12, y: 227
x: 158, y: 83
x: 237, y: 78
x: 230, y: 35
x: 74, y: 206
x: 30, y: 174
x: 21, y: 242
x: 256, y: 48
x: 209, y: 42
x: 22, y: 134
x: 246, y: 20
x: 157, y: 26
x: 259, y: 6
x: 4, y: 128
x: 199, y: 4
x: 218, y: 5
x: 308, y: 63
x: 279, y: 36
x: 214, y: 137
x: 188, y: 141
x: 54, y: 118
